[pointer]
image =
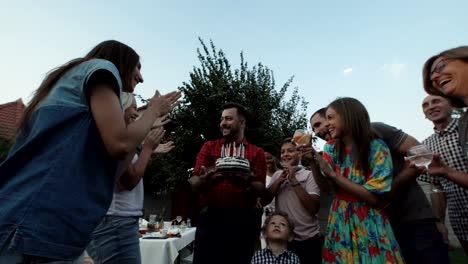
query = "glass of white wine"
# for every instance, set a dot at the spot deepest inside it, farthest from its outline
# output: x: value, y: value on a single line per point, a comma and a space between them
x: 421, y: 155
x: 301, y: 137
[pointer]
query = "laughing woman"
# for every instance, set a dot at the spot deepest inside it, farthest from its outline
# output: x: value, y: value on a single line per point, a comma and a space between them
x: 360, y: 165
x: 446, y: 74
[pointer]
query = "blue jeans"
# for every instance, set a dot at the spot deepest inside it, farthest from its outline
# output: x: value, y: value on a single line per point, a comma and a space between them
x: 9, y: 257
x: 116, y: 240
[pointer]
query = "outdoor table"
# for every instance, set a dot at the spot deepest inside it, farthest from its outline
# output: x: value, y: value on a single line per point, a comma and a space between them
x: 165, y: 251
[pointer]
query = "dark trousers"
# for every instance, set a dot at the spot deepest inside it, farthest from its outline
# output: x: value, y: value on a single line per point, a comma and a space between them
x: 421, y: 242
x: 225, y: 236
x: 309, y: 251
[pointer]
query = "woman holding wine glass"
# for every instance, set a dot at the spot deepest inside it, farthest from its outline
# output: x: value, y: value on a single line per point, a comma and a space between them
x: 446, y: 74
x: 360, y: 165
x: 301, y: 138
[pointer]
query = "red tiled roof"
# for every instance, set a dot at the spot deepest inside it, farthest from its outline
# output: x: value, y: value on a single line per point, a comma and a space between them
x: 10, y: 116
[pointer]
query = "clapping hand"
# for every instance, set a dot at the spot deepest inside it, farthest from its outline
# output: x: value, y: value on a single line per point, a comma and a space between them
x: 164, y: 148
x: 292, y: 173
x: 153, y: 138
x: 283, y: 177
x: 161, y: 121
x: 323, y: 165
x: 163, y: 104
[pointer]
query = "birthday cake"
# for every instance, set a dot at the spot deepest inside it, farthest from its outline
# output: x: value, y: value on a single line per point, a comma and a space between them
x: 232, y: 159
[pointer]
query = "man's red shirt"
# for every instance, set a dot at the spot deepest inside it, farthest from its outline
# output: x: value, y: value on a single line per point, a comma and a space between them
x: 225, y: 194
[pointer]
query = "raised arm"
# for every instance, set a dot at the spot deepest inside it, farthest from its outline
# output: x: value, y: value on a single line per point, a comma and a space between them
x: 308, y: 194
x: 367, y: 193
x: 135, y: 171
x: 408, y: 174
x: 277, y: 180
x: 120, y: 139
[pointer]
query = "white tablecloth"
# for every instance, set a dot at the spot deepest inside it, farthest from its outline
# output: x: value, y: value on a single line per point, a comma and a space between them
x: 165, y: 251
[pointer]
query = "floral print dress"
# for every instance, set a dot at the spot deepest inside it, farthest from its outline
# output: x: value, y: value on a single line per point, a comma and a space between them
x: 357, y: 232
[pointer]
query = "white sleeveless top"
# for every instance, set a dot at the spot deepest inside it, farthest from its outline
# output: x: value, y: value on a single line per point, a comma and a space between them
x: 128, y: 203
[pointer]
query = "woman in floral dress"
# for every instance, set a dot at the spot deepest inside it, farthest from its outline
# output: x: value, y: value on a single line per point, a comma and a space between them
x: 360, y: 166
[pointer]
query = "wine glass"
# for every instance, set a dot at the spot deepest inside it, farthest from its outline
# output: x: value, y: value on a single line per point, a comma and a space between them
x: 421, y: 155
x: 153, y: 218
x: 179, y: 220
x: 301, y: 137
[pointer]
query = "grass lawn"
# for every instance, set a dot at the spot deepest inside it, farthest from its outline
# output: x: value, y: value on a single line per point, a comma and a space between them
x: 457, y: 256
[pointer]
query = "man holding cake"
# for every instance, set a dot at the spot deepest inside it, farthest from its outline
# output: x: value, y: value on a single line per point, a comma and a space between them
x: 230, y: 175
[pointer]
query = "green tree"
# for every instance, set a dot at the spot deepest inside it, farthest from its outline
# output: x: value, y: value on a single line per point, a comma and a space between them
x: 211, y: 85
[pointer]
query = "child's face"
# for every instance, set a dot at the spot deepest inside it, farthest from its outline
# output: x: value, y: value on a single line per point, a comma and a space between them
x: 277, y: 229
x: 289, y: 154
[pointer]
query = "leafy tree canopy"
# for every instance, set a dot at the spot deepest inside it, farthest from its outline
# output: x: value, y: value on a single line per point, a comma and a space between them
x: 212, y: 84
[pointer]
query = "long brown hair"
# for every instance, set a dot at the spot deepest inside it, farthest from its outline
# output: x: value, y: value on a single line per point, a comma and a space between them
x: 122, y: 56
x: 459, y: 53
x: 357, y: 124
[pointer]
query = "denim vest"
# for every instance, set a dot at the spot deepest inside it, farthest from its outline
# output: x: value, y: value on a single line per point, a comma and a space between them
x: 58, y: 179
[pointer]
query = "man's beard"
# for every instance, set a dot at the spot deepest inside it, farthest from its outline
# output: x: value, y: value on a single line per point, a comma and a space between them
x: 232, y: 134
x: 325, y: 136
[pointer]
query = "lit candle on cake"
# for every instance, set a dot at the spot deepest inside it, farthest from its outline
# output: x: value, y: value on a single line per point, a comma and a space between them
x: 222, y: 151
x: 234, y: 151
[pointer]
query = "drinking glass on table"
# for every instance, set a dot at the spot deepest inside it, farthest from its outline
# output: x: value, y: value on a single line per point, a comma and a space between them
x: 301, y: 137
x: 421, y: 155
x: 152, y: 223
x: 179, y: 220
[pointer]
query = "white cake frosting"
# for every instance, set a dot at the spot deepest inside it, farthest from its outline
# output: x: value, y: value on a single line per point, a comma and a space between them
x: 233, y: 158
x: 232, y: 163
